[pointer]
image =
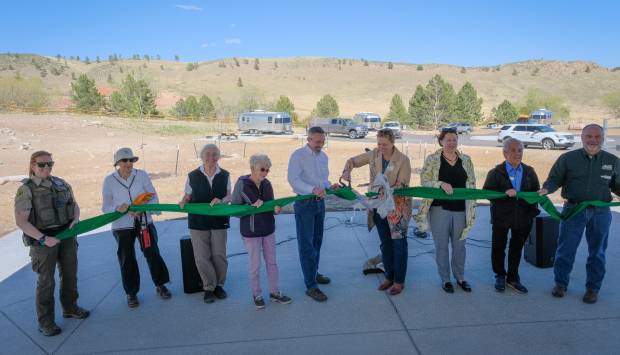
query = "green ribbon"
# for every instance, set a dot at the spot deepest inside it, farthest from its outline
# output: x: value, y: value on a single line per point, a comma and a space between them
x: 346, y: 193
x: 206, y: 209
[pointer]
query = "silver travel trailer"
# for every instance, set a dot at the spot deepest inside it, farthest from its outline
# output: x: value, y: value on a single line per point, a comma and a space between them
x: 371, y: 120
x: 265, y: 122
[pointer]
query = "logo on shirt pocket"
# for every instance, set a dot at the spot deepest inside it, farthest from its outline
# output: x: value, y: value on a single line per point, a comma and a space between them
x: 607, y: 167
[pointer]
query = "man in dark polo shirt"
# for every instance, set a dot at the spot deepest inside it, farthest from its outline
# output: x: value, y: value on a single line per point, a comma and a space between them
x: 584, y: 174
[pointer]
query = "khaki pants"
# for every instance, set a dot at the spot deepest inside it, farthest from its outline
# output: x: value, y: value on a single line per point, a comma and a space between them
x: 210, y: 255
x: 44, y: 260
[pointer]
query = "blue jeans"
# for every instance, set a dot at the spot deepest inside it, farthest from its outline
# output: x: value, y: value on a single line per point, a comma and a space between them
x: 309, y: 220
x: 596, y: 221
x: 394, y: 252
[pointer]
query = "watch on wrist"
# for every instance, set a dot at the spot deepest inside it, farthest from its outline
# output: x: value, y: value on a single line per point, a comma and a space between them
x: 42, y: 240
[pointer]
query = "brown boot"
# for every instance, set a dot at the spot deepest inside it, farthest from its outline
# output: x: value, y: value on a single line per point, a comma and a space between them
x: 590, y: 297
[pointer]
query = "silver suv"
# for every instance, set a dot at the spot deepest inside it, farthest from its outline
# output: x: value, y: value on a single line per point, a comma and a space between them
x: 394, y: 126
x: 536, y: 134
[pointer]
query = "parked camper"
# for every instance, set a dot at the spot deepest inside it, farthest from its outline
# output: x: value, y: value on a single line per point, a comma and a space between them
x: 372, y: 121
x: 265, y: 122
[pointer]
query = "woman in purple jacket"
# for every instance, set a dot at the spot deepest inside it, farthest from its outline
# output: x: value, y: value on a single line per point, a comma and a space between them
x: 258, y: 229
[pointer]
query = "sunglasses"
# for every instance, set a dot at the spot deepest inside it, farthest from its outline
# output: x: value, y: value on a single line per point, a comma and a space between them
x: 42, y: 165
x: 133, y: 160
x: 264, y: 170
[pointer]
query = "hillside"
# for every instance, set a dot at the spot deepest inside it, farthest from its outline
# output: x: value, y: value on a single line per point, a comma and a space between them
x: 356, y: 87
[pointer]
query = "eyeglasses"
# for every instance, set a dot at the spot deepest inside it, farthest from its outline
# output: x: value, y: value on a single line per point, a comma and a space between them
x: 133, y: 160
x: 43, y: 164
x: 264, y: 170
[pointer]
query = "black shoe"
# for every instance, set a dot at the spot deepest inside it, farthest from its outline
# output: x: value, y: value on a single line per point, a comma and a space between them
x: 517, y: 286
x: 464, y: 285
x: 280, y: 298
x: 76, y: 312
x: 322, y: 279
x: 163, y: 292
x: 259, y: 302
x: 590, y: 297
x: 558, y: 291
x: 447, y: 286
x: 500, y: 283
x: 209, y: 297
x: 316, y: 294
x: 50, y: 330
x: 132, y: 301
x: 219, y: 292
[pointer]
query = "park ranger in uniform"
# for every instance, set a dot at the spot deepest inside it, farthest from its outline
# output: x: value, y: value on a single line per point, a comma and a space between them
x: 45, y: 206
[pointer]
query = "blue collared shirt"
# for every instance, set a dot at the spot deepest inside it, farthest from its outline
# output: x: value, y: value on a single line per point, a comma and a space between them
x: 515, y: 175
x: 307, y: 170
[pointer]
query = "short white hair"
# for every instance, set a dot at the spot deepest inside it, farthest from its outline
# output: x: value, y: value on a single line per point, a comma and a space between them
x: 510, y: 141
x: 208, y: 147
x: 258, y: 160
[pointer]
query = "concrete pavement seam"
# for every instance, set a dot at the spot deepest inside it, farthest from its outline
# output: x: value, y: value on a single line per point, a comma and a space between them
x: 83, y: 320
x: 23, y: 332
x: 400, y: 318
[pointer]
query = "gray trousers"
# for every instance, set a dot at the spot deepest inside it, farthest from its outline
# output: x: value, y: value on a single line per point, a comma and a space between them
x: 447, y: 227
x: 210, y: 255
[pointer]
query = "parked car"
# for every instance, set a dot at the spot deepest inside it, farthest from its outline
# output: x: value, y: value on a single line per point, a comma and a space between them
x: 263, y: 121
x: 493, y: 125
x: 459, y: 127
x: 372, y: 121
x: 536, y: 134
x: 338, y: 125
x: 394, y: 126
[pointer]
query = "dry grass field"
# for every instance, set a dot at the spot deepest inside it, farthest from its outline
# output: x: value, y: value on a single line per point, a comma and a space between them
x: 355, y: 86
x: 83, y: 146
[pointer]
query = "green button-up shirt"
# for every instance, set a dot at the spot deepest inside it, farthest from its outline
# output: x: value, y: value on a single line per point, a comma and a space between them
x: 584, y: 177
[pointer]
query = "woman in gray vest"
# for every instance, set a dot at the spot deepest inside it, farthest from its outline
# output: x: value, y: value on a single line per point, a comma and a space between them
x: 119, y: 190
x: 45, y: 206
x: 209, y: 184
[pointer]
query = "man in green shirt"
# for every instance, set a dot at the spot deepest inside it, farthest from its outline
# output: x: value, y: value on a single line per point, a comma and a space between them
x: 584, y: 174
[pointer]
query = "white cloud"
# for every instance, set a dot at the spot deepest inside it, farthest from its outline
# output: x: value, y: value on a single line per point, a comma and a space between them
x: 207, y: 45
x: 189, y: 7
x: 232, y: 41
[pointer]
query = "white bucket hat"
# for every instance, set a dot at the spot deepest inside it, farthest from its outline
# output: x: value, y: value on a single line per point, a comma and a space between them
x: 123, y: 153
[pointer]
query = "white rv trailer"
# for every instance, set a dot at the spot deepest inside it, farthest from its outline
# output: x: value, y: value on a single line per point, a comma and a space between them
x: 371, y: 120
x: 265, y: 122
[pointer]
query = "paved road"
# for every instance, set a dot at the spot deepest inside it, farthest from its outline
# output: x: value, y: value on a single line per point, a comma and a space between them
x: 478, y: 140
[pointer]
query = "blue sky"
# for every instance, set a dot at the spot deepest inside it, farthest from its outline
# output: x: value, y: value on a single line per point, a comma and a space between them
x: 468, y: 33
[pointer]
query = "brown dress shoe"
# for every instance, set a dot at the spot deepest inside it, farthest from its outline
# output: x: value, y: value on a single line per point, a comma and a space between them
x: 385, y: 285
x: 396, y: 289
x: 558, y: 291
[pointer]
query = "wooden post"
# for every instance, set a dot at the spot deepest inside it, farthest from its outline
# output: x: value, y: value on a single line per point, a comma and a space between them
x: 176, y: 166
x: 244, y: 144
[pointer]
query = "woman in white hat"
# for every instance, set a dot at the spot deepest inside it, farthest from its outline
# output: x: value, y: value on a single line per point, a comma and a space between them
x: 119, y: 189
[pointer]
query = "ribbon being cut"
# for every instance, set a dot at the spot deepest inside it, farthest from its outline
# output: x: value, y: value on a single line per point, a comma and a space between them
x: 384, y: 205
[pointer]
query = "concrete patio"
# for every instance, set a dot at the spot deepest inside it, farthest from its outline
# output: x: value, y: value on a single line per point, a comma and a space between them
x: 357, y: 319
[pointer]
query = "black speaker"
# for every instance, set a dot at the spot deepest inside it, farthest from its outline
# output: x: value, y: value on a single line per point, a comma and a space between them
x: 191, y: 278
x: 540, y: 246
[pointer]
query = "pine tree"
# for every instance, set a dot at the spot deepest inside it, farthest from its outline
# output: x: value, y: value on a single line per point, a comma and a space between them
x: 284, y: 104
x: 326, y: 107
x: 505, y: 112
x: 419, y: 108
x: 239, y: 82
x: 442, y: 98
x: 85, y: 96
x: 468, y: 106
x: 398, y: 112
